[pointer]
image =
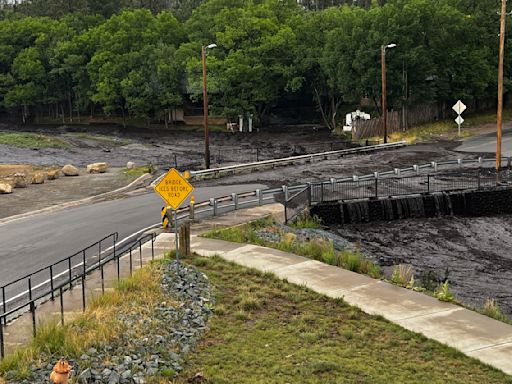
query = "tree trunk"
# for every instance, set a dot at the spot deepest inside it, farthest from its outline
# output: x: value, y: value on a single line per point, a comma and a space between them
x: 63, y: 113
x: 70, y: 107
x: 124, y: 118
x: 166, y: 119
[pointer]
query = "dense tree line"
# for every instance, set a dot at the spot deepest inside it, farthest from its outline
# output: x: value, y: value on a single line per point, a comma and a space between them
x: 144, y: 62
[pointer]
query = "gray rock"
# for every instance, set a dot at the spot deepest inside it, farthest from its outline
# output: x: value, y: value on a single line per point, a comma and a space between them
x: 114, y: 378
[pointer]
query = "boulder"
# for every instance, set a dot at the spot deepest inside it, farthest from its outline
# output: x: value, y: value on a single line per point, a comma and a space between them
x: 97, y: 168
x: 5, y: 188
x: 130, y: 165
x: 53, y: 174
x: 38, y: 178
x: 21, y: 180
x: 69, y: 170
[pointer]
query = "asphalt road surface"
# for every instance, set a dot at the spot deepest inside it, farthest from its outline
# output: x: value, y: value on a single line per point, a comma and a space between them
x: 487, y: 143
x: 32, y: 243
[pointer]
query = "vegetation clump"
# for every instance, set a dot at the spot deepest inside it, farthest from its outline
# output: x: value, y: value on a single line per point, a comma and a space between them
x: 316, y: 247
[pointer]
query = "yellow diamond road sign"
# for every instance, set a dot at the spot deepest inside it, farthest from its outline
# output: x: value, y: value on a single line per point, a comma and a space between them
x: 174, y: 188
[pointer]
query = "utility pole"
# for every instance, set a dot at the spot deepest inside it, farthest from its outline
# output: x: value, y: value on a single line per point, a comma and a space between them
x: 384, y: 96
x: 384, y: 90
x: 500, y: 86
x: 205, y: 107
x: 205, y: 113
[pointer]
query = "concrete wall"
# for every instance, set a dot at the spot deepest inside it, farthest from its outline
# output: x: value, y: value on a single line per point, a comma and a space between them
x: 467, y: 203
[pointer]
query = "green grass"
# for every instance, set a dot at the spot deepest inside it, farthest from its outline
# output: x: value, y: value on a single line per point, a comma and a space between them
x: 137, y: 171
x: 317, y: 248
x: 97, y: 326
x: 294, y: 335
x: 446, y: 129
x: 100, y: 138
x: 31, y: 140
x: 306, y: 221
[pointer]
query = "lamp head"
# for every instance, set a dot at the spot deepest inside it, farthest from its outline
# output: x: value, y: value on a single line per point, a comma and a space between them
x: 211, y: 46
x: 392, y: 45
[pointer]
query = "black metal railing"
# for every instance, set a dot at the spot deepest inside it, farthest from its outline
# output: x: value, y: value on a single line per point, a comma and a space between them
x: 409, y: 185
x: 27, y: 292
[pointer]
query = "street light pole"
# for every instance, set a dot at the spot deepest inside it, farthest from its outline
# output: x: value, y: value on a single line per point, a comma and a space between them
x: 384, y: 90
x: 500, y: 86
x: 205, y: 112
x: 205, y: 108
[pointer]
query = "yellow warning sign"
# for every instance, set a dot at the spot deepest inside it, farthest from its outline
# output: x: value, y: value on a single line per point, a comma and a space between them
x: 174, y: 188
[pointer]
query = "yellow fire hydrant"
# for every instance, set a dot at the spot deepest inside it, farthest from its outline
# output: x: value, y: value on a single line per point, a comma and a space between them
x: 61, y: 372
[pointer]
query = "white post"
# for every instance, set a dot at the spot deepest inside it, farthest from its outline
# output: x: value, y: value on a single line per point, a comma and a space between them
x: 241, y: 123
x: 250, y: 121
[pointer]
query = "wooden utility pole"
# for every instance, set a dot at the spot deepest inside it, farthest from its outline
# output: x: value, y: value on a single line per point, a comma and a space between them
x: 384, y: 96
x: 205, y: 113
x: 500, y: 85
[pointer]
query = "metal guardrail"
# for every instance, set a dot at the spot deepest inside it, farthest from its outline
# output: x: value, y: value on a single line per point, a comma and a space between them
x: 407, y: 185
x: 268, y: 196
x: 215, y: 172
x: 61, y: 276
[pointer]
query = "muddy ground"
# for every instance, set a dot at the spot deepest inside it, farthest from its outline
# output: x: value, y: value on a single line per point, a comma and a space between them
x: 475, y: 254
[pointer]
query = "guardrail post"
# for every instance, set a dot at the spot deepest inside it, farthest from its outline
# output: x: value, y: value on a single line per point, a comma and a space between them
x: 2, y: 350
x: 131, y: 265
x: 234, y: 198
x: 83, y: 293
x: 32, y: 307
x: 376, y: 176
x: 191, y: 211
x: 479, y: 161
x: 152, y: 247
x: 397, y: 171
x: 3, y: 301
x: 213, y: 203
x: 61, y: 305
x: 70, y: 274
x: 259, y: 196
x: 286, y: 193
x: 83, y: 260
x: 416, y: 169
x: 51, y: 281
x: 459, y: 162
x: 434, y: 165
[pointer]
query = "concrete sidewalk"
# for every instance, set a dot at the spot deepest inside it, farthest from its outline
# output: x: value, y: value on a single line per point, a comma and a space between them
x: 475, y: 335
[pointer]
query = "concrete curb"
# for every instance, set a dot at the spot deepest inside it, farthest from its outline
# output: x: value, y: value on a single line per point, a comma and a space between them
x: 140, y: 180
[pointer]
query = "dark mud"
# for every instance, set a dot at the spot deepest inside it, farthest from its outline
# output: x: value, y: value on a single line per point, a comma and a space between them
x: 475, y: 254
x: 161, y: 147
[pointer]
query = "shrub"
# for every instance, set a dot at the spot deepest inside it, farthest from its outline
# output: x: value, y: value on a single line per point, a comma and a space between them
x: 306, y: 221
x: 402, y: 275
x: 492, y: 309
x: 444, y: 293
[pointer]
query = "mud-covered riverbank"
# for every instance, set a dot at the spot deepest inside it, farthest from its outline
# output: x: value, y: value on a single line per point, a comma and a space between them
x: 475, y: 254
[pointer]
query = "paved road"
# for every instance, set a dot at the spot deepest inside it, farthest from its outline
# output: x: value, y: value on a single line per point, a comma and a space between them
x: 33, y: 243
x: 487, y: 143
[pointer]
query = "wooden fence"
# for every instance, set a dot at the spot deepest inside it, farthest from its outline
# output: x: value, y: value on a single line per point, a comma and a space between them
x: 399, y: 121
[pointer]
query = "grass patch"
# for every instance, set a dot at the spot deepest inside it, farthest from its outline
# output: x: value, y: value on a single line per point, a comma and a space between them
x: 97, y: 326
x: 31, y: 140
x: 306, y: 221
x: 316, y: 248
x: 446, y: 129
x: 106, y: 140
x: 299, y: 336
x: 136, y: 172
